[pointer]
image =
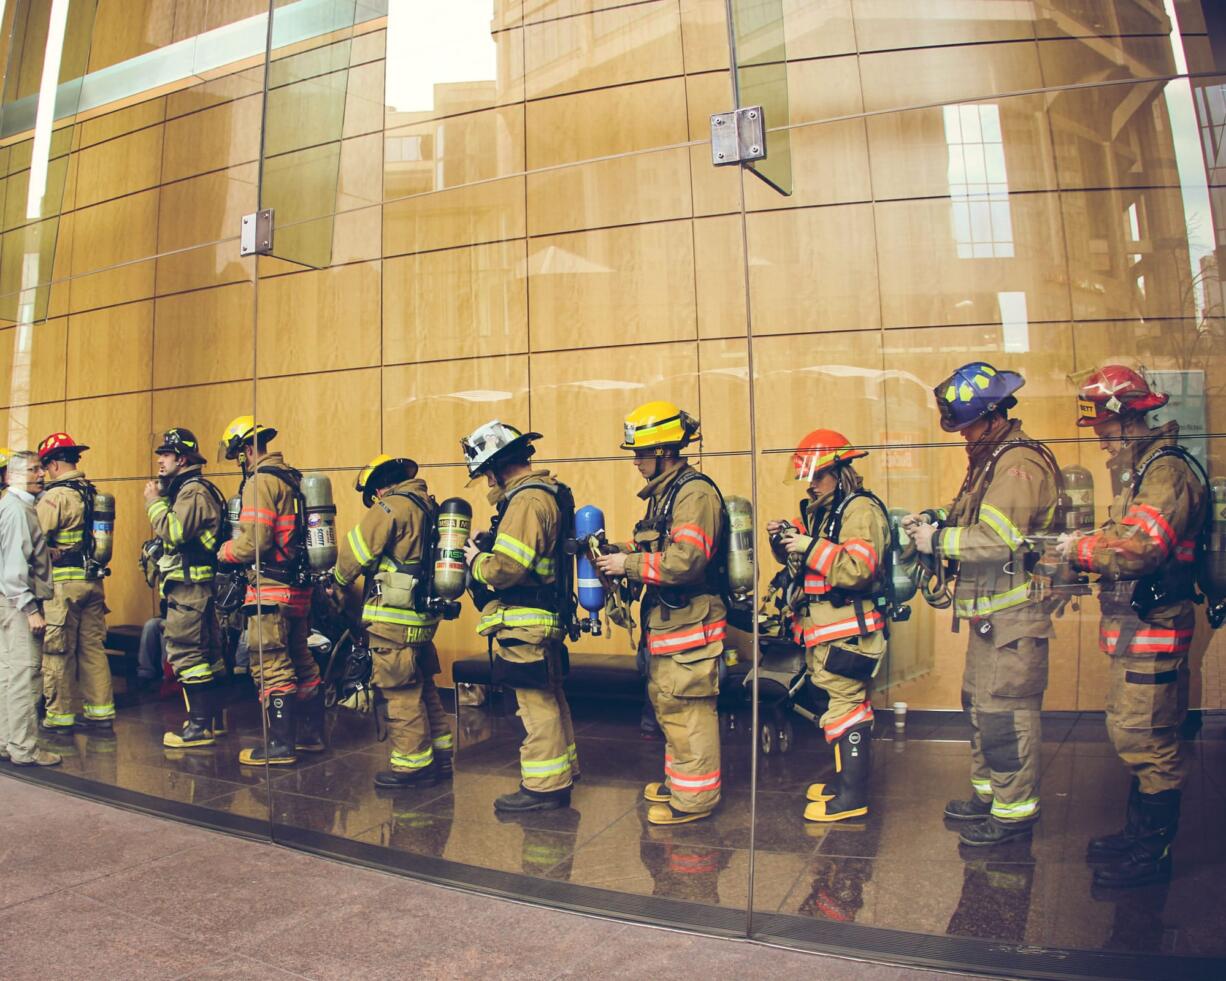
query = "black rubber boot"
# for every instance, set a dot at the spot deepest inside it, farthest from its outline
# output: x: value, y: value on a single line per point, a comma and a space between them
x: 280, y: 748
x: 197, y: 729
x: 426, y: 776
x: 443, y: 765
x: 533, y: 800
x: 854, y: 760
x: 310, y: 736
x: 975, y: 808
x: 98, y: 726
x: 1148, y: 858
x: 1112, y: 847
x: 990, y: 831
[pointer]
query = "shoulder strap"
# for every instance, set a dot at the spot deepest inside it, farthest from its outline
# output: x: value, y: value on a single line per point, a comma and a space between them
x: 1044, y: 453
x: 1164, y: 451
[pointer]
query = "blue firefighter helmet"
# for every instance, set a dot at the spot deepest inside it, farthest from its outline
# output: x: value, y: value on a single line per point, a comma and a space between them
x: 972, y: 392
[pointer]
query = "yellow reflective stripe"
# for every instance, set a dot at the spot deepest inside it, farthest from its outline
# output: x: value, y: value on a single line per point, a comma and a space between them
x: 515, y: 550
x: 106, y: 711
x: 982, y: 787
x: 572, y: 752
x: 519, y: 616
x: 208, y: 540
x: 999, y: 522
x: 174, y: 528
x: 983, y: 606
x: 204, y: 671
x: 951, y: 541
x: 59, y: 718
x: 361, y: 550
x: 67, y: 573
x: 544, y: 567
x: 412, y: 761
x: 445, y: 741
x: 545, y: 768
x: 477, y: 566
x: 391, y: 614
x: 69, y: 537
x: 156, y: 507
x: 1014, y: 812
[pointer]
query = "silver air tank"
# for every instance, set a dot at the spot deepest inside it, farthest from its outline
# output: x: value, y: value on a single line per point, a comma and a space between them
x: 455, y: 521
x: 320, y: 522
x: 740, y: 546
x: 103, y: 530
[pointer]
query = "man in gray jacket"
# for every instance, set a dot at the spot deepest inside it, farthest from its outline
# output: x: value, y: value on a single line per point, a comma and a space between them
x: 25, y: 582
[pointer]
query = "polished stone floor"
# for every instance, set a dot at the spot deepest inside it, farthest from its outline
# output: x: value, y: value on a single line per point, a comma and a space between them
x: 91, y: 891
x: 901, y: 868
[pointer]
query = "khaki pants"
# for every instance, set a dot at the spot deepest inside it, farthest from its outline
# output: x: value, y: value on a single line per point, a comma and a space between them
x: 844, y: 670
x: 21, y: 657
x: 683, y: 689
x: 74, y: 653
x: 398, y: 674
x: 548, y: 747
x: 284, y: 663
x: 190, y: 633
x: 436, y: 715
x: 1002, y: 693
x: 1147, y: 699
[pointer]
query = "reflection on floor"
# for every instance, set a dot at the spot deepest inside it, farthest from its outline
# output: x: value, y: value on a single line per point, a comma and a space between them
x: 902, y: 867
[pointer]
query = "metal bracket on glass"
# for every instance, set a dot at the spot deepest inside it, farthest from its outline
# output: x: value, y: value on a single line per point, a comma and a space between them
x: 738, y: 137
x: 255, y: 235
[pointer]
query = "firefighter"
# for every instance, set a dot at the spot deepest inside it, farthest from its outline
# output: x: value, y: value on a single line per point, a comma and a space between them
x: 5, y: 455
x: 389, y: 546
x: 516, y: 587
x: 278, y: 600
x: 1145, y: 555
x: 186, y: 512
x: 839, y: 544
x: 683, y: 612
x: 1009, y: 492
x: 74, y: 644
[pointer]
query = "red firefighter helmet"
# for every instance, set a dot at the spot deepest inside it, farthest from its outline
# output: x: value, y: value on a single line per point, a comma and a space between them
x: 1115, y: 391
x: 59, y: 446
x: 820, y: 450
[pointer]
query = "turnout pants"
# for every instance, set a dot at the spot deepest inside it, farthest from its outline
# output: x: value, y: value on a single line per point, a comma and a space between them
x: 547, y: 756
x: 416, y: 722
x: 21, y: 657
x: 844, y: 670
x: 190, y: 631
x: 281, y: 662
x: 74, y: 653
x: 1002, y: 692
x: 683, y: 689
x: 1147, y: 699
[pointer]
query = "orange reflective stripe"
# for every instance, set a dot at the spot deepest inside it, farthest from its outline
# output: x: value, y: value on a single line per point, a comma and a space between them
x: 651, y: 567
x: 1151, y: 640
x: 688, y: 639
x: 257, y: 516
x: 826, y: 632
x: 858, y: 716
x: 695, y: 536
x: 227, y: 552
x: 694, y: 783
x: 862, y: 550
x: 821, y: 556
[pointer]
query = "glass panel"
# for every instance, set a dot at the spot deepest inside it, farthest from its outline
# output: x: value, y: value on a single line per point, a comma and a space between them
x: 969, y: 189
x: 759, y: 48
x: 114, y: 269
x: 308, y: 98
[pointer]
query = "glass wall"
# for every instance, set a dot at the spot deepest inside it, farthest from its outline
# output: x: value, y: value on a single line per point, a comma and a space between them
x: 508, y: 209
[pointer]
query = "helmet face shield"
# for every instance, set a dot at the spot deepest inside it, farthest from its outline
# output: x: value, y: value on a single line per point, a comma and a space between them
x: 492, y: 444
x: 820, y: 450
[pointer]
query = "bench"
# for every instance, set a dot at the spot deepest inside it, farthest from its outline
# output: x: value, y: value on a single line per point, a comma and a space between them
x: 122, y: 651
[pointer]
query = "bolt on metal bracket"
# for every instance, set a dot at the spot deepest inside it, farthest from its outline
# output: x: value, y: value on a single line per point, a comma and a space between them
x: 255, y: 234
x: 738, y: 137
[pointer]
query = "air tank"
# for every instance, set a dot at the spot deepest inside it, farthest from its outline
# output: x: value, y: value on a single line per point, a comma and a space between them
x: 589, y: 520
x: 740, y: 546
x: 455, y: 522
x: 103, y: 531
x: 1079, y: 489
x: 903, y: 561
x: 320, y: 522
